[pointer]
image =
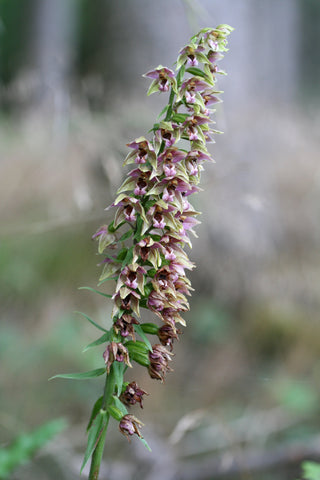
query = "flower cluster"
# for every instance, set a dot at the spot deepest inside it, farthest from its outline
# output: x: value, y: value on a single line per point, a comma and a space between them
x: 143, y: 247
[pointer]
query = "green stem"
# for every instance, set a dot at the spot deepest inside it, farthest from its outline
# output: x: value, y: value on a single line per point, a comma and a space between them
x: 167, y: 118
x: 97, y: 454
x: 98, y: 451
x: 169, y: 111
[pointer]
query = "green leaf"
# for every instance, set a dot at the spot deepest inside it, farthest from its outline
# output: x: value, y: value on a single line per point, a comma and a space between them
x: 126, y: 235
x: 95, y: 291
x: 145, y: 443
x: 180, y: 75
x: 138, y: 329
x: 81, y: 376
x: 143, y: 303
x: 120, y: 406
x: 180, y: 117
x: 91, y: 321
x: 118, y: 371
x: 105, y: 280
x: 104, y: 338
x: 128, y: 258
x: 95, y: 432
x: 196, y: 71
x: 148, y: 288
x: 311, y: 470
x: 96, y: 408
x: 139, y: 225
x: 122, y: 254
x: 112, y: 228
x: 26, y: 445
x: 163, y: 111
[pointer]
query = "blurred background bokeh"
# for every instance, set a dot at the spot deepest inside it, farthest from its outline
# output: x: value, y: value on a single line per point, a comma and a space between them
x: 243, y: 400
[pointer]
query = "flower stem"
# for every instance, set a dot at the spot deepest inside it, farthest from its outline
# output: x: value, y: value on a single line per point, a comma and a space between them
x: 97, y: 454
x: 98, y: 451
x: 169, y: 111
x: 167, y: 118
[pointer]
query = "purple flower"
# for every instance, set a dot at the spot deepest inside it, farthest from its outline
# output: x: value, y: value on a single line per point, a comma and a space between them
x: 141, y: 187
x: 192, y: 126
x: 116, y: 352
x: 210, y: 98
x: 127, y: 300
x: 129, y: 213
x: 158, y: 221
x: 159, y: 359
x: 156, y: 301
x: 128, y: 426
x: 169, y: 170
x: 169, y: 255
x: 143, y: 151
x: 169, y: 137
x: 132, y: 395
x: 214, y: 56
x: 171, y: 155
x: 190, y: 97
x: 167, y: 334
x: 192, y: 167
x: 193, y: 84
x: 198, y: 156
x: 168, y: 194
x: 191, y: 55
x: 163, y: 78
x: 101, y: 231
x: 133, y: 277
x: 125, y: 325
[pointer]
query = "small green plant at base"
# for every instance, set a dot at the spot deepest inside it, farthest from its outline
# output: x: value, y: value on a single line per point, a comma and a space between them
x: 310, y: 471
x: 26, y: 445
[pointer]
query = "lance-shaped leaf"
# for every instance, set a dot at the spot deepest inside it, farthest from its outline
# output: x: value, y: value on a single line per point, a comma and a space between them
x: 82, y: 375
x: 103, y: 339
x: 145, y: 443
x: 97, y: 428
x: 91, y: 321
x: 96, y: 408
x: 95, y: 291
x: 118, y: 369
x: 138, y: 329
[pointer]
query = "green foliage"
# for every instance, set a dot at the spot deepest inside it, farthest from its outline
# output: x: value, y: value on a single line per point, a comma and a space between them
x: 97, y: 372
x: 97, y: 406
x: 138, y: 329
x: 103, y: 339
x: 96, y: 291
x: 118, y: 369
x: 97, y: 427
x: 26, y: 445
x: 92, y: 321
x: 310, y: 471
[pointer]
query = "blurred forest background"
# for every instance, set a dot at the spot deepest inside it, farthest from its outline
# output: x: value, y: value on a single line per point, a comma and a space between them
x: 243, y: 400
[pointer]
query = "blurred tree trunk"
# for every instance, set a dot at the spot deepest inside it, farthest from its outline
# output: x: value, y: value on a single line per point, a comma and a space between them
x: 53, y: 45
